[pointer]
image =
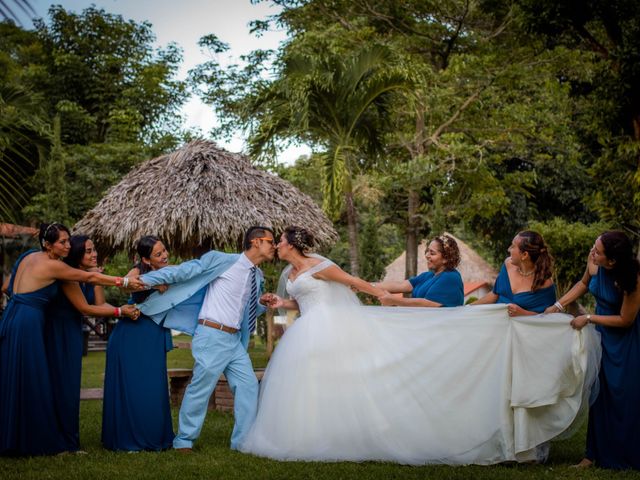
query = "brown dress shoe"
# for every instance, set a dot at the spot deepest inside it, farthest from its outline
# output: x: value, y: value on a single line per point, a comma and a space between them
x: 184, y: 450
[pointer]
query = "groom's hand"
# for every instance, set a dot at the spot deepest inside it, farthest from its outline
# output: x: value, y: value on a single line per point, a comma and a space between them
x: 271, y: 300
x: 267, y: 299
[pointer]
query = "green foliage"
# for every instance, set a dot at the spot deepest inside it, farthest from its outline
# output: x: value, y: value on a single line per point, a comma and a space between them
x: 324, y: 94
x: 88, y: 173
x: 104, y: 77
x: 113, y: 94
x: 118, y: 265
x: 570, y: 244
x: 603, y: 37
x: 485, y: 138
x: 25, y: 138
x: 371, y: 253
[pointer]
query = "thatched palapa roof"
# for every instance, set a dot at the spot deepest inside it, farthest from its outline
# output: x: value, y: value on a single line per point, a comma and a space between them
x: 197, y: 198
x: 472, y: 268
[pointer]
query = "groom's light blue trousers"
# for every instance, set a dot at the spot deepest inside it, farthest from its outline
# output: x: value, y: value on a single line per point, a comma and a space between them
x: 216, y: 352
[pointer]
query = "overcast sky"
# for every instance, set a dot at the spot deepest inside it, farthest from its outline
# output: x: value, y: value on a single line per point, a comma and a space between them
x: 184, y: 22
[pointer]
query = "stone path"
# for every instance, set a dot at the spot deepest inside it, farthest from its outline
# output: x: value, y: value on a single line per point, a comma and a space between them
x: 91, y: 393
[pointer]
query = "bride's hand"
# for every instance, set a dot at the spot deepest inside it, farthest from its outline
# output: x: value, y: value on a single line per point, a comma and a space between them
x: 388, y: 300
x: 276, y: 302
x: 271, y: 300
x: 266, y: 299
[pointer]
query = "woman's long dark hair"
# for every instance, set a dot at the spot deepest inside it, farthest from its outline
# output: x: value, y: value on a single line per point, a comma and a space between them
x: 144, y: 248
x: 617, y: 247
x: 533, y: 243
x: 78, y: 248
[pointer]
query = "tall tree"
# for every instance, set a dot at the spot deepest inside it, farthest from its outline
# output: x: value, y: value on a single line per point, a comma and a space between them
x: 606, y: 90
x: 335, y: 98
x: 340, y: 104
x: 103, y: 76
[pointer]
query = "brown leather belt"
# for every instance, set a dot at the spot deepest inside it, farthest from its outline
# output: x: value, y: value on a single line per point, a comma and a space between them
x: 217, y: 326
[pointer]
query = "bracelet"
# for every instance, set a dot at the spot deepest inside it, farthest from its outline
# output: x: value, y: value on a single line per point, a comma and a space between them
x: 118, y: 312
x: 125, y: 282
x: 118, y: 281
x: 559, y: 306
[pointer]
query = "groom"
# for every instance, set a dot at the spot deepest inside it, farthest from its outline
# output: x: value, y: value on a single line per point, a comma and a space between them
x: 215, y: 299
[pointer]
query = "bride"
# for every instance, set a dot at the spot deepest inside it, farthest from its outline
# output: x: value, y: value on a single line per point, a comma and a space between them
x: 409, y: 385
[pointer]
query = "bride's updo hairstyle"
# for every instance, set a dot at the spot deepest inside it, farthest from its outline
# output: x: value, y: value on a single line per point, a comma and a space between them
x: 300, y: 239
x: 450, y: 251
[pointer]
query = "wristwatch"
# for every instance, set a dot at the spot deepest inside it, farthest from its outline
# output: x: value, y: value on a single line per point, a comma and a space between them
x: 588, y: 318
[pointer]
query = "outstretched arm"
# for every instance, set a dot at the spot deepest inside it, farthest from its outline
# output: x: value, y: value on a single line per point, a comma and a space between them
x: 392, y: 300
x: 336, y: 274
x: 488, y: 298
x: 73, y: 292
x: 62, y: 271
x: 184, y: 271
x: 173, y: 274
x: 403, y: 286
x: 578, y: 290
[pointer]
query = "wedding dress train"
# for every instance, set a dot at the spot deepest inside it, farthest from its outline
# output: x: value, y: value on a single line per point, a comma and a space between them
x: 418, y: 385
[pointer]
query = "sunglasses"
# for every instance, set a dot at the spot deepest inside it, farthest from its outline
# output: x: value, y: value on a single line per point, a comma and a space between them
x: 267, y: 239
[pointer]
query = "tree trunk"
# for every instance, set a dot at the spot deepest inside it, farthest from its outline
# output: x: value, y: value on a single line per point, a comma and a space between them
x: 413, y: 220
x: 352, y: 228
x: 411, y: 245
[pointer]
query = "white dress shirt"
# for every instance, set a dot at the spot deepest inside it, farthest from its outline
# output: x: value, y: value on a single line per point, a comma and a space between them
x: 227, y: 295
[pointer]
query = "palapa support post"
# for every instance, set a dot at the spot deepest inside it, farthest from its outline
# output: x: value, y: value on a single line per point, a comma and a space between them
x: 270, y: 329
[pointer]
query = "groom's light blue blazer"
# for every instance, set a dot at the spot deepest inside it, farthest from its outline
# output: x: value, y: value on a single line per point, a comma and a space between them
x: 179, y: 306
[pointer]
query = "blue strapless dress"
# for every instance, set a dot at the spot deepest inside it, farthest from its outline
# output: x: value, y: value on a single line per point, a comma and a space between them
x: 536, y: 301
x: 136, y: 411
x: 64, y: 342
x: 613, y: 435
x: 28, y: 419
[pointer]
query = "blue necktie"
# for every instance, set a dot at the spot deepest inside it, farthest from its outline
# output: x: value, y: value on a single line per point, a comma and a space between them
x: 253, y: 300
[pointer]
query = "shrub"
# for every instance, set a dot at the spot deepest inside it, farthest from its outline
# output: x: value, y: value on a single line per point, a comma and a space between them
x: 570, y: 244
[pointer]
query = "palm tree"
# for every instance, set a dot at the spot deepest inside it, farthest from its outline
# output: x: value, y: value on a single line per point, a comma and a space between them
x: 25, y: 138
x: 339, y: 104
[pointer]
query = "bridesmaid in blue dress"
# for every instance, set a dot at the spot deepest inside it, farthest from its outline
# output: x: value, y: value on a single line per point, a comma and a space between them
x: 524, y: 282
x: 64, y: 335
x: 612, y: 276
x: 28, y: 420
x: 441, y: 286
x: 136, y: 411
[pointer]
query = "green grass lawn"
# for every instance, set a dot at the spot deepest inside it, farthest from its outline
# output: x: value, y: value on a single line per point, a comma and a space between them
x: 212, y: 458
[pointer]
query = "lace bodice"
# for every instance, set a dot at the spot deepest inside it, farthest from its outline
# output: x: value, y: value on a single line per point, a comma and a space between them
x: 311, y: 292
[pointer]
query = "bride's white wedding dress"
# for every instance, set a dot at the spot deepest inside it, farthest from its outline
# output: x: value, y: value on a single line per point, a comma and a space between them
x: 417, y: 385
